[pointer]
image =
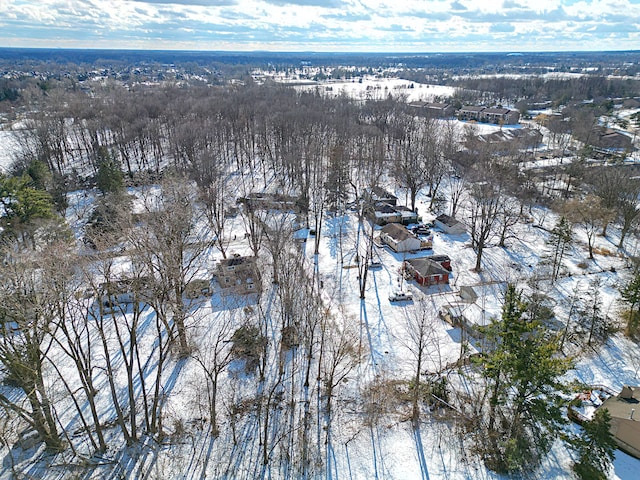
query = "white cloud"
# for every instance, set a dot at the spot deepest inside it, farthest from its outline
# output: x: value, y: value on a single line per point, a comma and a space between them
x: 419, y: 25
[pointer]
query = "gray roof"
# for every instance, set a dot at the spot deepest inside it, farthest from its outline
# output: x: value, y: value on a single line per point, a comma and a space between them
x: 427, y: 267
x: 472, y: 108
x: 496, y: 111
x: 620, y: 407
x: 397, y: 232
x: 447, y: 220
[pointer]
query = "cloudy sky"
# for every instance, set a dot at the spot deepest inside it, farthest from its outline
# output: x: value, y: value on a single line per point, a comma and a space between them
x: 324, y: 25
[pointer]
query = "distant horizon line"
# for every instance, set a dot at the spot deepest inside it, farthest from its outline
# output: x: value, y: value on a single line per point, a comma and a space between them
x: 320, y: 52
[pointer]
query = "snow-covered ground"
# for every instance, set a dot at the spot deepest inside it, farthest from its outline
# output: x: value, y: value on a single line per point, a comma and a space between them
x: 392, y: 449
x: 7, y: 149
x: 380, y: 88
x: 396, y: 451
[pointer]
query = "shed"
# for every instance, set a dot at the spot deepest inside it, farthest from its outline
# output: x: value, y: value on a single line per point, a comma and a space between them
x: 468, y: 294
x: 449, y: 225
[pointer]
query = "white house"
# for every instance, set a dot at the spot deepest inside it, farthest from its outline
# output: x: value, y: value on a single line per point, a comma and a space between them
x: 399, y: 238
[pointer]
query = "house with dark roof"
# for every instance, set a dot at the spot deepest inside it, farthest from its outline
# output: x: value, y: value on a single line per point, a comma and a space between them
x: 611, y: 141
x: 439, y: 110
x: 273, y: 201
x: 426, y: 271
x: 383, y: 213
x: 433, y: 110
x: 399, y: 239
x: 498, y: 116
x: 379, y: 194
x: 407, y: 215
x: 508, y: 139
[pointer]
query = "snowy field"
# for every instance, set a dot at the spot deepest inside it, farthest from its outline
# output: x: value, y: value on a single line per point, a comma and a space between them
x: 372, y: 88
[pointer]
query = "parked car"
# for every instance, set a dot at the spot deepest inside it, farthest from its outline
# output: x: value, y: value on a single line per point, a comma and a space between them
x: 421, y: 230
x: 400, y: 296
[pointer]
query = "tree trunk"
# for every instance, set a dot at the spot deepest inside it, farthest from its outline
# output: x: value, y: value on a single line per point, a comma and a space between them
x: 480, y: 248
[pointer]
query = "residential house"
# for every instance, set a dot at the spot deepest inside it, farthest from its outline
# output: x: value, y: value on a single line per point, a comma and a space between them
x: 426, y: 271
x: 380, y: 195
x: 470, y: 112
x: 631, y: 103
x: 273, y: 201
x: 407, y: 215
x: 118, y: 293
x: 611, y: 141
x: 506, y: 140
x: 499, y: 116
x: 625, y: 422
x: 399, y: 238
x: 239, y: 274
x: 383, y: 213
x: 449, y: 225
x: 433, y: 110
x: 439, y: 110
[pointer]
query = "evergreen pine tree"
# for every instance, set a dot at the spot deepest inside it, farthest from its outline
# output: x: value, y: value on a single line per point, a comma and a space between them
x: 109, y: 178
x: 561, y: 237
x: 596, y: 447
x: 523, y: 415
x: 630, y: 293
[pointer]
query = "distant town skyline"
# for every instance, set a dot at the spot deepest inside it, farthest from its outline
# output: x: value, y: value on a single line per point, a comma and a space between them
x: 323, y: 25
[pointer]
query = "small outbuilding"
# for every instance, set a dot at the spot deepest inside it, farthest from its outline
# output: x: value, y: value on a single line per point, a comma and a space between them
x: 468, y: 294
x: 449, y: 225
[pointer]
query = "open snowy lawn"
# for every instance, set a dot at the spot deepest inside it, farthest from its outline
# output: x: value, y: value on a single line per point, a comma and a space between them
x: 380, y: 88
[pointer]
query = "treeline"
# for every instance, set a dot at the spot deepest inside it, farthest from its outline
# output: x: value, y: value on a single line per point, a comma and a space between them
x: 558, y: 91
